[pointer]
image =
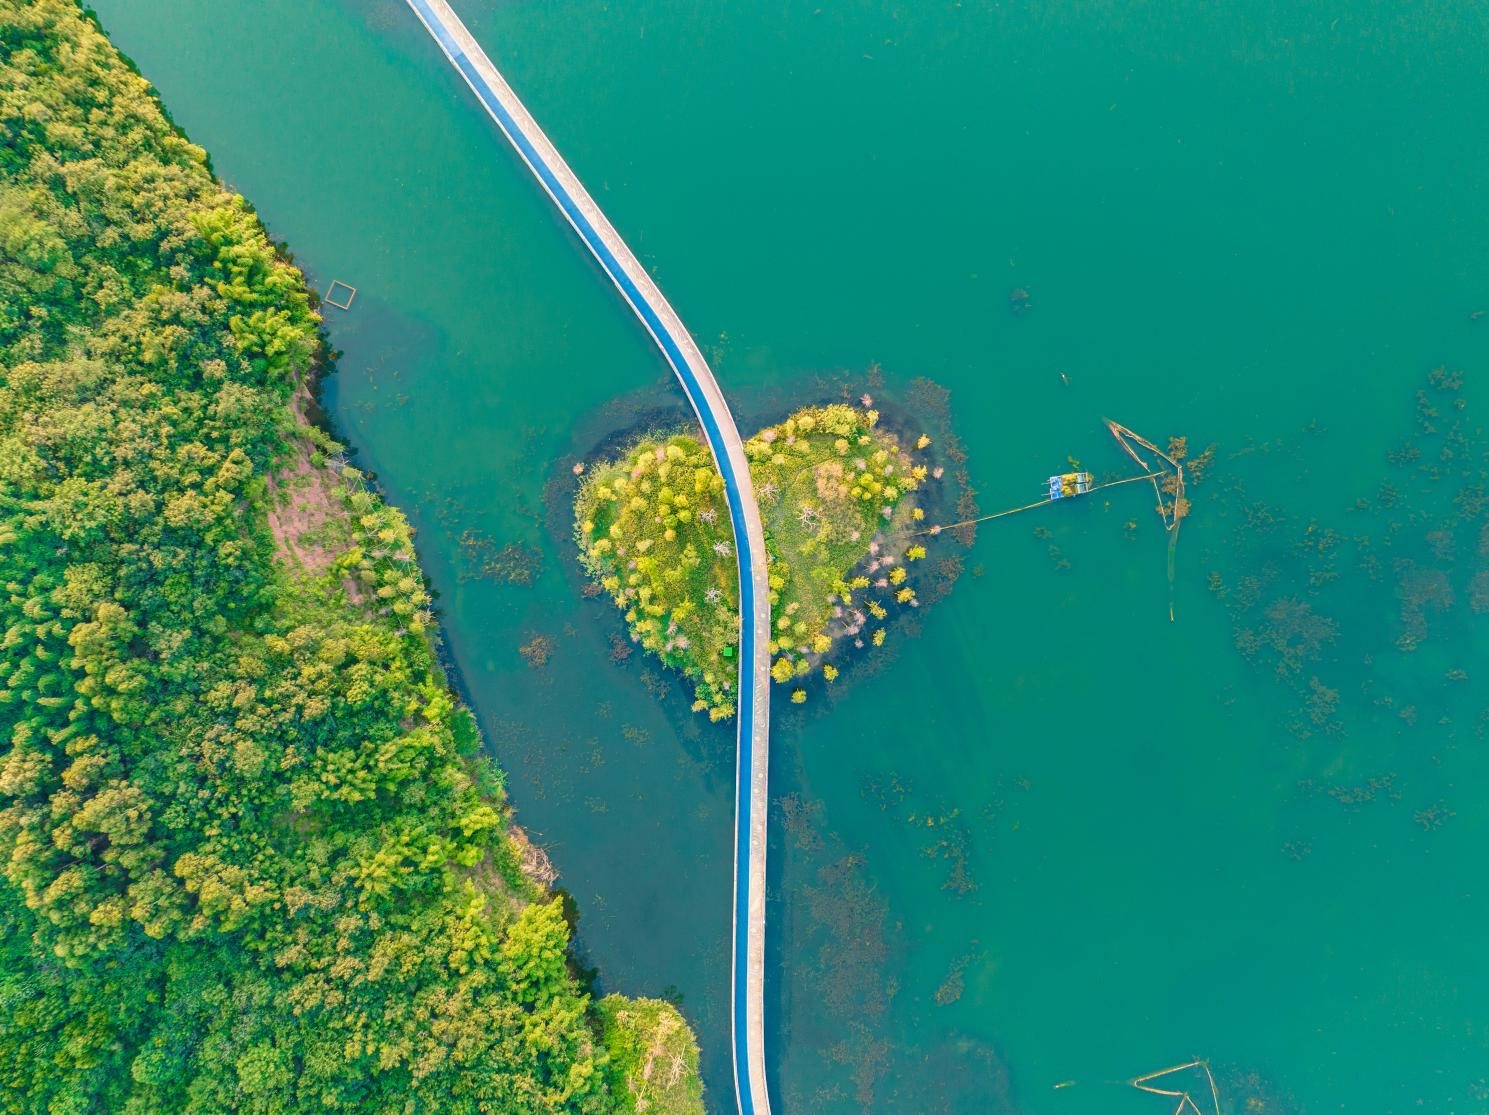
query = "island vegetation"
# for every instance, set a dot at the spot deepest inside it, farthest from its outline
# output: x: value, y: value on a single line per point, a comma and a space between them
x: 254, y: 857
x: 837, y: 500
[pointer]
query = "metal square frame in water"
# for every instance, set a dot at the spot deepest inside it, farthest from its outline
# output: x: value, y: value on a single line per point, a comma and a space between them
x: 331, y: 301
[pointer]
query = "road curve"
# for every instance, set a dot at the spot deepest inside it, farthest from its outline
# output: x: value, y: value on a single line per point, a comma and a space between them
x: 702, y: 390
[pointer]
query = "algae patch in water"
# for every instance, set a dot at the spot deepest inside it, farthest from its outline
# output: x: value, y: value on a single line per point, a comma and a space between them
x: 837, y: 493
x: 1371, y: 616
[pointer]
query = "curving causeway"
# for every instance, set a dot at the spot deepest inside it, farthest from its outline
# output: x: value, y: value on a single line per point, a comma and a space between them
x: 698, y: 383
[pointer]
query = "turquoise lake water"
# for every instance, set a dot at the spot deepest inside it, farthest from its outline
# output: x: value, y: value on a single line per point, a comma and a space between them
x: 1046, y: 837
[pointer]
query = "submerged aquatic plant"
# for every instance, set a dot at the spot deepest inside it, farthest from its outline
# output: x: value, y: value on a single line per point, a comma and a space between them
x: 1359, y: 610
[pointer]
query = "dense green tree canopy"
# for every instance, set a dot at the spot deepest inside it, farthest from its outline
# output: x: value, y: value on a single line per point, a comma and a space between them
x: 837, y: 501
x: 251, y: 856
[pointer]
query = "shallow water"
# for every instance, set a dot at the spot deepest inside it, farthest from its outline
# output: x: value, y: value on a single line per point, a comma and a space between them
x: 1255, y: 226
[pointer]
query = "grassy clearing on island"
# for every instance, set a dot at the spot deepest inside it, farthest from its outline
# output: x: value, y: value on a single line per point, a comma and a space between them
x: 836, y: 494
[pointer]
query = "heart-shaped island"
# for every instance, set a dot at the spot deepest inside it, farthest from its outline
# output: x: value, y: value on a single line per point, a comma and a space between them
x: 837, y: 497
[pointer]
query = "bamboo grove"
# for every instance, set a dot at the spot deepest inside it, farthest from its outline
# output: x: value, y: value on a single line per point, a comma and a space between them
x: 253, y: 856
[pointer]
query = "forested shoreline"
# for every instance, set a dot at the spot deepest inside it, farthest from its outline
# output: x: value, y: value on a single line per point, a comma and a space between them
x: 254, y: 857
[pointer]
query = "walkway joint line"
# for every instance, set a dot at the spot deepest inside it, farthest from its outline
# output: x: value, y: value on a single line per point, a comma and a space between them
x: 747, y: 967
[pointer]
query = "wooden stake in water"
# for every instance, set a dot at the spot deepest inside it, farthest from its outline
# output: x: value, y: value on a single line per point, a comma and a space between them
x: 1172, y: 516
x: 1186, y: 1101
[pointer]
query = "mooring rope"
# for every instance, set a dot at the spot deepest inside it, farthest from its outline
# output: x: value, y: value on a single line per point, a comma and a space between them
x: 1031, y: 506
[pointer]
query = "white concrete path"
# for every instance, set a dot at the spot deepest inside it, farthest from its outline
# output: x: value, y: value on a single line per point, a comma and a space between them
x: 702, y: 390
